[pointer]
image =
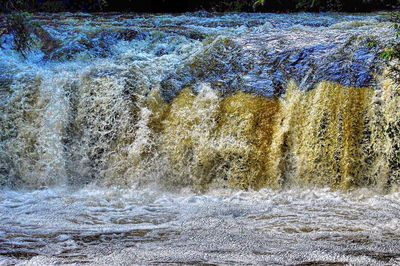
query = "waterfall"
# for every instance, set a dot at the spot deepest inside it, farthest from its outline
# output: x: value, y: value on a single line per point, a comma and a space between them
x: 200, y: 139
x: 330, y: 136
x: 231, y: 110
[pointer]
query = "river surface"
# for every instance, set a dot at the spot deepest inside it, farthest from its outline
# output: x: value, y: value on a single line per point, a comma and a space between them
x: 124, y: 227
x: 200, y: 139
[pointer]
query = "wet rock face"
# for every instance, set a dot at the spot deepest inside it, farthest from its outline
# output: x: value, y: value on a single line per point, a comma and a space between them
x: 221, y: 64
x: 265, y: 60
x: 248, y: 52
x: 351, y: 64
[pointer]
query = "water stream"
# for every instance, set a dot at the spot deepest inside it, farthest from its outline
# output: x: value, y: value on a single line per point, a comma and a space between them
x: 200, y: 139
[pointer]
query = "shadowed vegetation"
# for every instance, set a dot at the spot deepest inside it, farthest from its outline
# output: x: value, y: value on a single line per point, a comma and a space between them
x: 21, y: 27
x: 392, y: 52
x: 194, y: 5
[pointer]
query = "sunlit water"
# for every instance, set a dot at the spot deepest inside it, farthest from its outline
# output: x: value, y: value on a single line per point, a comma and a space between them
x: 166, y: 108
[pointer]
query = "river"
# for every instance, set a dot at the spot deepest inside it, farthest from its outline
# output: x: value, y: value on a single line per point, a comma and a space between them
x: 212, y: 139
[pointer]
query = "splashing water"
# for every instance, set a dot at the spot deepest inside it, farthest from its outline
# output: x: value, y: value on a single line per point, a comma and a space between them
x: 121, y: 109
x: 117, y: 226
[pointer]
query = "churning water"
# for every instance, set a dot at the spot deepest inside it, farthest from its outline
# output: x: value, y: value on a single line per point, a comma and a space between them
x: 200, y: 139
x: 125, y: 227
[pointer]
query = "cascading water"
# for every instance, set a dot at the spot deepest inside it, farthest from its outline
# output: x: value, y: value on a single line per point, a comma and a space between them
x: 126, y: 108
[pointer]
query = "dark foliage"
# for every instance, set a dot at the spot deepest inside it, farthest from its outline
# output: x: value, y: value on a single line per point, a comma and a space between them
x: 392, y: 53
x: 194, y: 5
x: 21, y: 27
x: 26, y: 33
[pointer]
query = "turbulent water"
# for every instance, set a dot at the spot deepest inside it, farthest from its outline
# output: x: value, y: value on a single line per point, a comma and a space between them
x: 125, y: 227
x: 128, y: 138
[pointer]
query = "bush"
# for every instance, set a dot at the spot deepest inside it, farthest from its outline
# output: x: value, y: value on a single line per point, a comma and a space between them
x: 392, y: 53
x: 193, y: 5
x: 20, y: 26
x: 325, y: 5
x: 396, y: 23
x: 53, y: 6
